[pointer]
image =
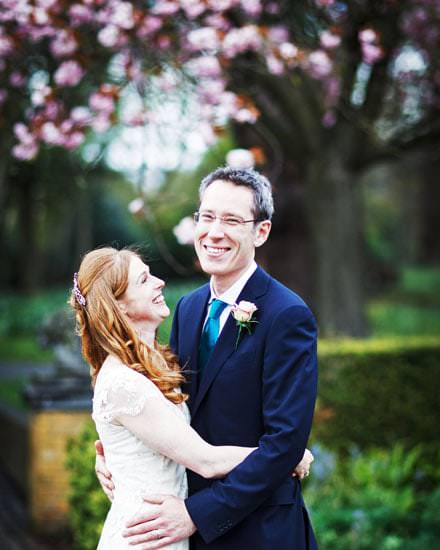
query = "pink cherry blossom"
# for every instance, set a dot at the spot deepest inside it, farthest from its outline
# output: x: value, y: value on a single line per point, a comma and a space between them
x: 245, y: 115
x: 17, y: 79
x: 69, y: 73
x: 102, y: 102
x: 371, y: 53
x: 21, y: 131
x: 185, y: 231
x: 80, y: 14
x: 278, y: 34
x: 320, y: 64
x: 329, y: 40
x: 192, y: 8
x: 50, y: 133
x: 252, y: 7
x: 204, y: 38
x: 222, y: 5
x: 274, y: 65
x: 325, y: 3
x: 329, y: 119
x: 25, y: 151
x: 205, y: 66
x: 240, y: 159
x: 63, y: 44
x: 109, y: 36
x: 288, y: 51
x: 165, y: 7
x: 150, y: 24
x: 242, y: 39
x: 73, y: 140
x: 122, y: 15
x: 6, y: 45
x: 367, y: 36
x: 80, y: 115
x: 101, y: 123
x: 136, y: 206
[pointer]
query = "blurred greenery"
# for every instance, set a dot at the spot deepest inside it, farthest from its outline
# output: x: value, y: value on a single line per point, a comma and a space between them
x: 11, y: 393
x: 88, y: 503
x: 384, y: 499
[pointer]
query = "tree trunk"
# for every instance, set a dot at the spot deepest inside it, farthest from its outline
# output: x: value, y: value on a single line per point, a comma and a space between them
x: 429, y: 252
x: 334, y: 204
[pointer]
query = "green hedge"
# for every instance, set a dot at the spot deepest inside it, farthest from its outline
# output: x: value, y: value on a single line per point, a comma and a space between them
x: 378, y: 392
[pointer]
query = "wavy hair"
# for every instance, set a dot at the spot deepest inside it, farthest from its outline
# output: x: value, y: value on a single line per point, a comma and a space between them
x: 105, y: 329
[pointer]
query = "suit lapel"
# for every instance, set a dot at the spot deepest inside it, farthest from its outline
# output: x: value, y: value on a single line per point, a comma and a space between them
x: 193, y: 331
x: 225, y: 346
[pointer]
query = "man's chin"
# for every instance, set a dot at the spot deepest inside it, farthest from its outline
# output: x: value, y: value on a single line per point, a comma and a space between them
x: 214, y: 266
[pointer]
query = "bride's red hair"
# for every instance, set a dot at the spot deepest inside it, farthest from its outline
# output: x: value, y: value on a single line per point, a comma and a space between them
x: 105, y: 330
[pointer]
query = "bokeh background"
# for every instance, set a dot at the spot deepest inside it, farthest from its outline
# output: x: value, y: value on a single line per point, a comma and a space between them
x: 111, y: 112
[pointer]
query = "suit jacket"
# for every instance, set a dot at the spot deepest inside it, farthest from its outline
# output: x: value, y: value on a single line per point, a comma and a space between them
x: 262, y: 393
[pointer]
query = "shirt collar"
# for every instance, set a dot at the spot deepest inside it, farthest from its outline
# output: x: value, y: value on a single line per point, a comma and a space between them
x: 231, y: 295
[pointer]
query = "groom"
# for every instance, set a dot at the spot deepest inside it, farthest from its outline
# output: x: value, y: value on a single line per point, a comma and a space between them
x: 251, y: 385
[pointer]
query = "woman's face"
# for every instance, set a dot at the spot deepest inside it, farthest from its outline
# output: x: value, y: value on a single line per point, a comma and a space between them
x: 143, y: 301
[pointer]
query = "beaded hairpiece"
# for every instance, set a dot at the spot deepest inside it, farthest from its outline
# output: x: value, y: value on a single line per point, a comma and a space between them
x: 76, y: 291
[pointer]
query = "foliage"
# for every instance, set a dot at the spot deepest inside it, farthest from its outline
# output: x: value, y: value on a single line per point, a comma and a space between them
x: 378, y: 392
x: 88, y: 503
x: 11, y: 393
x: 375, y: 500
x: 23, y: 315
x: 23, y: 348
x: 389, y: 318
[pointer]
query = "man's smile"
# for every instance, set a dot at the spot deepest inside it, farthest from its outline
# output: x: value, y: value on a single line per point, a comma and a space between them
x: 215, y: 251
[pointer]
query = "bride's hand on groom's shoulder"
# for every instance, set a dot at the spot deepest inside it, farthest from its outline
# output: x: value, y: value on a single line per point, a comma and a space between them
x: 302, y: 469
x: 102, y: 473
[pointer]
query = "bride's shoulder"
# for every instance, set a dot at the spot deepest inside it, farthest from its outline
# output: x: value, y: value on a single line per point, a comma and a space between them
x: 115, y: 370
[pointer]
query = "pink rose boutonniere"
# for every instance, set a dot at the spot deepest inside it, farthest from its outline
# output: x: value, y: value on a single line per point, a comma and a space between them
x: 243, y: 313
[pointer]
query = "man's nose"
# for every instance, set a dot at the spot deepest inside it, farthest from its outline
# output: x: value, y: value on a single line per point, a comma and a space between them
x: 159, y: 283
x: 216, y: 229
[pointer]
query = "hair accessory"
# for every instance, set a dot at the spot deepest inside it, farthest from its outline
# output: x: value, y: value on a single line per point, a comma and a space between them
x: 76, y: 291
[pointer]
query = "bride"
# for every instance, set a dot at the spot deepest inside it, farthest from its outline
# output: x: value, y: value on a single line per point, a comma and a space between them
x: 138, y: 408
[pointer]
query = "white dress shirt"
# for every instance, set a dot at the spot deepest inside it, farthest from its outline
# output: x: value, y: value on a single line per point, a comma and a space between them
x: 231, y: 295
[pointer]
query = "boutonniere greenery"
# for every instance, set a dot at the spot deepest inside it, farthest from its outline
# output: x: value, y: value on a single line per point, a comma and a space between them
x: 243, y: 313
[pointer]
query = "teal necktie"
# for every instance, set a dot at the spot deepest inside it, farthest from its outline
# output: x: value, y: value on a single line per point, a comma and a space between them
x: 210, y: 332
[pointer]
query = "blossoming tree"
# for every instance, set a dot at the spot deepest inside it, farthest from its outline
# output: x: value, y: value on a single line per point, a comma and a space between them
x: 327, y: 86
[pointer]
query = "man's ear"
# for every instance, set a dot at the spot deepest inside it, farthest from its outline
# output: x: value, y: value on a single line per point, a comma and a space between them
x: 262, y: 232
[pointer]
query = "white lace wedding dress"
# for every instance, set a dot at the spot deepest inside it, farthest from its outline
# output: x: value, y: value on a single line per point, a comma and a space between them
x: 136, y: 469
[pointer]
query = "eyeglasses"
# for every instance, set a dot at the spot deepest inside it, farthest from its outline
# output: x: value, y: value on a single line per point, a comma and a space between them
x: 230, y: 221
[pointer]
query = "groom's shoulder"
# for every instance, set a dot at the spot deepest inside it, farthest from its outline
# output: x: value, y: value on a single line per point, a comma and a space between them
x: 284, y: 298
x: 195, y: 295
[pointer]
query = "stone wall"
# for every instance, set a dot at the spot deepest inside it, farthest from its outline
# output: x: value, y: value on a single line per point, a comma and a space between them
x: 33, y: 452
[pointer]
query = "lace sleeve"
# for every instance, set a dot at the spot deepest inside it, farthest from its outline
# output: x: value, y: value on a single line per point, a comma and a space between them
x: 124, y: 391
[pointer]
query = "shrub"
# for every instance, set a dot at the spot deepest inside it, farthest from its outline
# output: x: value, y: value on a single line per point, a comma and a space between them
x: 88, y: 503
x: 378, y: 392
x: 375, y: 500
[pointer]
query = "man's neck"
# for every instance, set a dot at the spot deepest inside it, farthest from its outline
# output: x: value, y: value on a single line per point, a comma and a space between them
x: 222, y: 283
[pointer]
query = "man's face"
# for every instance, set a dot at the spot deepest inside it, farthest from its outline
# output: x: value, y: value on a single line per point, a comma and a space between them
x: 224, y: 251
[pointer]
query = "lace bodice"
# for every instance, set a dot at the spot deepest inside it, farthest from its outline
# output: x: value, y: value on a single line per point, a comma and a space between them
x: 136, y: 469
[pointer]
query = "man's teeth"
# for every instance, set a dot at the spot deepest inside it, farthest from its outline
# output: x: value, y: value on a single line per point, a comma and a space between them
x: 159, y: 300
x: 215, y: 251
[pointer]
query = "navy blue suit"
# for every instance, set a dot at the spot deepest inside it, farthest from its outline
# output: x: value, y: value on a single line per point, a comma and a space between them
x: 261, y: 393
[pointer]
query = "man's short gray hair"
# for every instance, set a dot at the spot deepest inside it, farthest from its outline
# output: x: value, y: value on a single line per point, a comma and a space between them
x: 262, y: 190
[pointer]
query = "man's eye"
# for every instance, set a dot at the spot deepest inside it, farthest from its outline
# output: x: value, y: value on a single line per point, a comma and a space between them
x: 232, y: 221
x: 208, y: 218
